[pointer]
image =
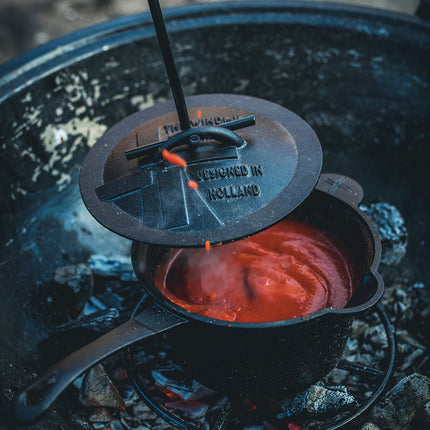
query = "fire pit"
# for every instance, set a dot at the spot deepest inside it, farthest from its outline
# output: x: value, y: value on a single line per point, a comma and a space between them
x: 75, y: 105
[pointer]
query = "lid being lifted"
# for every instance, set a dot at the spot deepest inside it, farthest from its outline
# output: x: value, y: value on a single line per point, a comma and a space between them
x: 247, y: 180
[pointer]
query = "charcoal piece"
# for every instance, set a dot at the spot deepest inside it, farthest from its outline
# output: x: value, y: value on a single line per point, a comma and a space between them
x: 219, y: 414
x: 369, y: 426
x: 173, y: 379
x: 403, y: 336
x: 338, y: 376
x: 70, y: 288
x: 317, y: 401
x: 114, y: 425
x: 129, y: 420
x: 76, y: 278
x: 190, y: 408
x: 358, y: 328
x: 352, y: 345
x: 143, y: 412
x: 377, y: 336
x: 262, y: 427
x: 68, y: 337
x: 392, y: 231
x: 100, y: 415
x: 399, y: 406
x: 129, y: 395
x: 111, y: 298
x: 112, y: 267
x: 98, y: 390
x: 426, y: 416
x: 98, y: 322
x: 411, y: 358
x: 93, y: 305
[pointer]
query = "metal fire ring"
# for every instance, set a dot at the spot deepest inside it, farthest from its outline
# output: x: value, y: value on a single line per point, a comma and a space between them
x: 182, y: 424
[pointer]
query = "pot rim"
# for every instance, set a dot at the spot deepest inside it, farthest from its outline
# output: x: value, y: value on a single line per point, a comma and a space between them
x: 308, y: 318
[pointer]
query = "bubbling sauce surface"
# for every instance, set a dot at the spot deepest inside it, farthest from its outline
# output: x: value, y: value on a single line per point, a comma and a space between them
x: 289, y: 270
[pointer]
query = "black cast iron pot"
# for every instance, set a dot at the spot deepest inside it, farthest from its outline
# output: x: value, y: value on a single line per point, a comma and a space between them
x: 261, y: 359
x: 241, y: 359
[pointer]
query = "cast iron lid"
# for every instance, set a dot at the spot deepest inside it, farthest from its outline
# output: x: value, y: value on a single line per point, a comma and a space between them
x: 247, y: 180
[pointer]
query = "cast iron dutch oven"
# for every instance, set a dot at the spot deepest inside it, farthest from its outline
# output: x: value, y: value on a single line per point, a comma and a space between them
x: 358, y: 76
x: 278, y: 160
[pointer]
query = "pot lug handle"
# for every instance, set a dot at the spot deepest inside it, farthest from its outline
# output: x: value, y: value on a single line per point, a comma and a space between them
x: 341, y: 186
x: 30, y: 403
x: 368, y: 292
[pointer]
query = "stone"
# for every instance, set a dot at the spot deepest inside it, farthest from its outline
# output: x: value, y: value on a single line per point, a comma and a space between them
x: 98, y: 390
x: 392, y: 231
x: 399, y: 406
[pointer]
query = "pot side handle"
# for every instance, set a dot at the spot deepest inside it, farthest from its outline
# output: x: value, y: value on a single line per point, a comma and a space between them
x: 30, y: 403
x: 341, y: 186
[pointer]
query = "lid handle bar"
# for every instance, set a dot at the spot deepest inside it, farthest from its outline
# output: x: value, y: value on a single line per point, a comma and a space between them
x: 192, y: 137
x: 169, y: 64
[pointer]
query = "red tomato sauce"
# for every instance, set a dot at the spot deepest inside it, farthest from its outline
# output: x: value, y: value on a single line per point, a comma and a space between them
x: 289, y: 270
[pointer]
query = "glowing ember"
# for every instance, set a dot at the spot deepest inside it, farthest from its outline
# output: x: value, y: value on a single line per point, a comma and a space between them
x: 193, y: 184
x: 173, y: 158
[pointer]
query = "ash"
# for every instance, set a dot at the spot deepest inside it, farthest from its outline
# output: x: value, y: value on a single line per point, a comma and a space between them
x: 102, y: 292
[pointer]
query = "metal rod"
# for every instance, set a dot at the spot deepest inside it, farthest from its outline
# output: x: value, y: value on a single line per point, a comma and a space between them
x: 169, y: 64
x: 239, y: 123
x: 360, y: 368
